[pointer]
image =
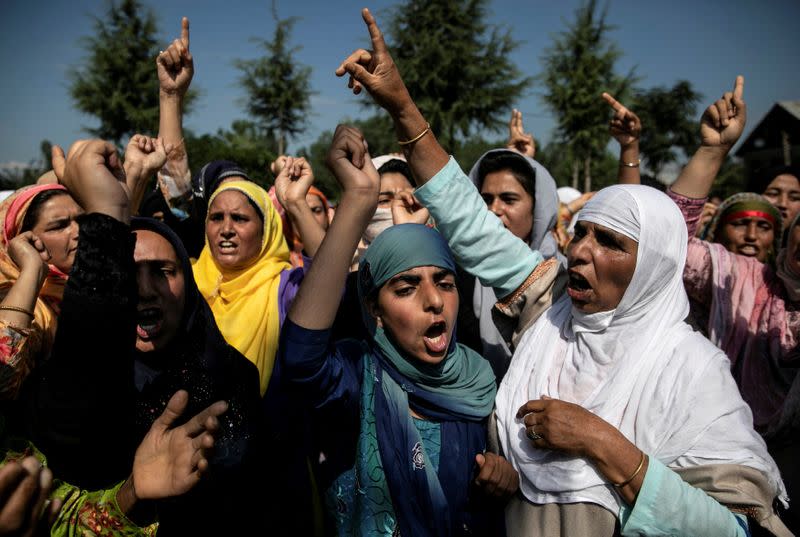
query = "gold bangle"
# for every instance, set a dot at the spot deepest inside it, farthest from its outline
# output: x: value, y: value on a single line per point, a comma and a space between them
x: 634, y: 474
x: 631, y: 164
x: 417, y: 137
x: 20, y: 310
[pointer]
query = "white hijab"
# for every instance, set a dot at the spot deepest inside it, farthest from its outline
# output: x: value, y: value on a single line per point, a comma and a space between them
x: 639, y: 367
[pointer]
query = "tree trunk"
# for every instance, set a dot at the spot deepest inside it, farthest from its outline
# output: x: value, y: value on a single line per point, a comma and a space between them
x: 587, y: 174
x: 575, y: 171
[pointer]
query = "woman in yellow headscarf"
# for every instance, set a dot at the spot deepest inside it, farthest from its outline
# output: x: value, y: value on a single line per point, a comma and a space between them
x: 244, y: 271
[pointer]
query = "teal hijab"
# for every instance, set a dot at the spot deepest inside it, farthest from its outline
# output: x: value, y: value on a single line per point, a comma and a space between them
x: 463, y: 374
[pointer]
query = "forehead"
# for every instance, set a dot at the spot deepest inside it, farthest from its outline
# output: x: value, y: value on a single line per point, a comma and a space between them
x: 785, y: 182
x: 60, y: 203
x: 393, y: 181
x: 232, y: 200
x: 421, y: 272
x: 502, y: 181
x: 151, y: 246
x: 599, y: 228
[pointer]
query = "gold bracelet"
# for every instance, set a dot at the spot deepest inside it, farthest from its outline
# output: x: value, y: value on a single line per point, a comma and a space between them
x: 631, y: 164
x: 638, y: 469
x: 20, y: 310
x: 417, y: 137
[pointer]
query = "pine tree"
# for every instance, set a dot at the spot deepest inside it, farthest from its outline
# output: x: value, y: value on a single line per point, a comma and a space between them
x: 118, y: 83
x: 278, y: 89
x: 455, y: 66
x: 578, y: 67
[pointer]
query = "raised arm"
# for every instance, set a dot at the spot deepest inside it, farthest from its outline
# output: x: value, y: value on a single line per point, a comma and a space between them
x: 478, y: 239
x: 292, y: 183
x: 720, y: 127
x: 376, y: 71
x: 175, y: 67
x: 30, y: 254
x: 143, y: 157
x: 626, y: 128
x: 318, y: 299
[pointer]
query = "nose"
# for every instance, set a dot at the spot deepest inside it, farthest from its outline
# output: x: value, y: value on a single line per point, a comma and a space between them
x: 782, y: 201
x: 496, y: 207
x: 73, y: 231
x: 145, y: 283
x: 578, y: 252
x: 432, y: 297
x: 227, y: 230
x: 751, y: 231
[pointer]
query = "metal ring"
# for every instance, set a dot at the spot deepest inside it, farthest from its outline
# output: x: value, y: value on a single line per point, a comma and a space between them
x: 532, y: 434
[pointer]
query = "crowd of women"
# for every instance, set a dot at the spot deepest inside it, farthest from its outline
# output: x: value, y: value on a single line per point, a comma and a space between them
x: 443, y: 354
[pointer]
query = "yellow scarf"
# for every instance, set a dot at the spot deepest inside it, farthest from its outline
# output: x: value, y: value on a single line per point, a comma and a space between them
x: 245, y: 302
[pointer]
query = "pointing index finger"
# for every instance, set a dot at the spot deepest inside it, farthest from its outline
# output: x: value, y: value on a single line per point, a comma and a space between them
x: 185, y: 31
x: 378, y: 44
x: 615, y: 104
x: 738, y: 88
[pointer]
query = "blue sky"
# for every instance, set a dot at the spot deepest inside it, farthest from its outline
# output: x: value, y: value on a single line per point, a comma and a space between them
x: 707, y: 42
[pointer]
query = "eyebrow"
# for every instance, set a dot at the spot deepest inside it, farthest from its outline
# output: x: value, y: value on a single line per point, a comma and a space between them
x: 405, y: 278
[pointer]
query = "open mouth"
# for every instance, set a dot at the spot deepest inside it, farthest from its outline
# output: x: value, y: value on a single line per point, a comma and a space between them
x: 578, y: 287
x: 149, y: 322
x: 748, y: 250
x: 226, y: 245
x: 436, y: 337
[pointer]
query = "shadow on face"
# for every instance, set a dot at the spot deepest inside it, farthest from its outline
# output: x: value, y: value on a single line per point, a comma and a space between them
x: 235, y: 230
x: 162, y: 291
x: 52, y: 217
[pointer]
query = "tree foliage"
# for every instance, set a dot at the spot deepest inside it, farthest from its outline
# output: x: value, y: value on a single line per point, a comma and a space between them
x: 578, y: 67
x: 118, y: 82
x: 668, y: 123
x: 455, y: 66
x: 278, y: 88
x: 242, y: 143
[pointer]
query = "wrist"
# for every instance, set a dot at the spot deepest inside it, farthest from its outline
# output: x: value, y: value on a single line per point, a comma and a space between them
x: 126, y: 496
x: 714, y: 151
x: 167, y: 96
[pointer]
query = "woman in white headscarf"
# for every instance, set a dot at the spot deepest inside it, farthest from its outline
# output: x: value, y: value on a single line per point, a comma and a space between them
x: 640, y: 396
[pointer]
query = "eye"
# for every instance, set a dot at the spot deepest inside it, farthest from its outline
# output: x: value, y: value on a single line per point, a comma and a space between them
x: 404, y: 291
x: 240, y: 218
x: 215, y: 217
x: 447, y: 285
x: 607, y: 240
x: 384, y: 200
x: 509, y: 200
x: 487, y: 198
x: 765, y: 226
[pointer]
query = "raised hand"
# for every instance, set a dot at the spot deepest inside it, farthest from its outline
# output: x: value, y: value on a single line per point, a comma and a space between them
x: 58, y: 160
x: 277, y: 165
x: 376, y: 71
x: 293, y: 181
x: 349, y: 161
x: 94, y: 176
x: 143, y: 157
x: 28, y: 252
x: 407, y: 210
x: 170, y: 461
x: 175, y: 65
x: 496, y: 476
x: 625, y: 126
x: 723, y: 122
x: 518, y: 139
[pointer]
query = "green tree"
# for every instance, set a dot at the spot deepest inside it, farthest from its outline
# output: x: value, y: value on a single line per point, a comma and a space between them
x: 118, y: 83
x: 17, y: 177
x: 669, y: 123
x: 277, y: 87
x: 578, y: 67
x: 242, y: 143
x: 455, y: 66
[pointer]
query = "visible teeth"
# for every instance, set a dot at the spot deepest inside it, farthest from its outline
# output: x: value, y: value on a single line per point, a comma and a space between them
x: 226, y: 244
x: 147, y: 327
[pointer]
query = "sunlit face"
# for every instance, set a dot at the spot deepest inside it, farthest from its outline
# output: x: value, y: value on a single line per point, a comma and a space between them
x: 505, y: 197
x: 784, y: 193
x: 318, y: 209
x: 58, y: 230
x: 234, y: 230
x: 748, y: 236
x: 391, y: 184
x: 601, y: 265
x: 162, y: 294
x: 417, y: 309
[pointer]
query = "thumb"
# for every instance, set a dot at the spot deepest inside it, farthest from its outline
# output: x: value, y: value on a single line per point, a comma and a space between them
x: 480, y: 459
x: 358, y: 72
x: 58, y: 160
x: 546, y: 397
x: 175, y: 407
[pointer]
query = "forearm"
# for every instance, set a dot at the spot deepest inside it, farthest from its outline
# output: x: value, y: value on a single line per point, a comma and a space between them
x: 318, y: 299
x: 481, y: 244
x: 425, y: 156
x: 21, y: 296
x: 697, y: 177
x: 667, y: 505
x: 311, y: 233
x: 618, y: 459
x: 628, y: 155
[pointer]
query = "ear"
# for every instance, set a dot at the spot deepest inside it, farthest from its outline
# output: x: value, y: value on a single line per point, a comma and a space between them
x: 374, y: 311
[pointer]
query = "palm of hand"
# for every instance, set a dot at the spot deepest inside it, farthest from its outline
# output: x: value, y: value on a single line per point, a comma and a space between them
x: 162, y: 465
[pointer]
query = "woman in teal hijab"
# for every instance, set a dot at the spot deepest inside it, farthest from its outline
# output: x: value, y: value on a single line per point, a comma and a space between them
x: 400, y: 417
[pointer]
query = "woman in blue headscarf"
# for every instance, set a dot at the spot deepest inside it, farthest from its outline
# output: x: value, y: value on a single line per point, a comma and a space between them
x: 408, y: 407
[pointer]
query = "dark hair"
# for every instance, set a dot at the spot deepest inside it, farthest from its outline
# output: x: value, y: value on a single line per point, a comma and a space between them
x: 515, y: 164
x: 396, y: 165
x: 759, y: 182
x: 35, y: 208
